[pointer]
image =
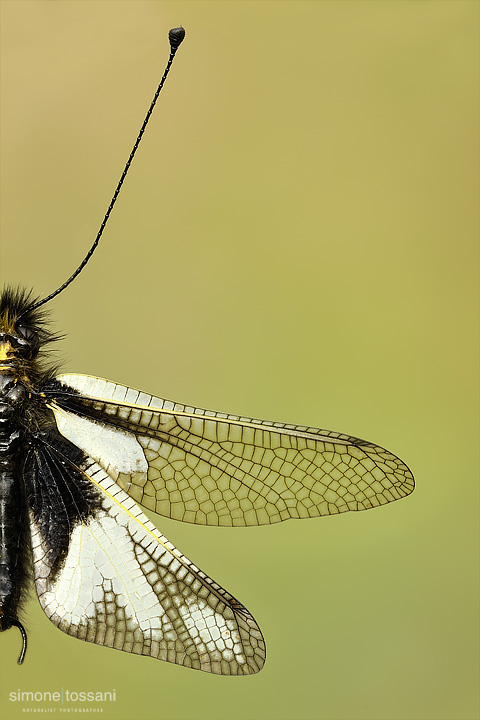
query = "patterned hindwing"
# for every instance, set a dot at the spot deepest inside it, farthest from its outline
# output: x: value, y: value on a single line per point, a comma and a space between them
x: 211, y: 468
x: 117, y: 581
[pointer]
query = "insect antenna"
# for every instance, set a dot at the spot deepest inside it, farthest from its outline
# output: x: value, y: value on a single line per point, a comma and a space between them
x: 175, y: 36
x: 18, y: 624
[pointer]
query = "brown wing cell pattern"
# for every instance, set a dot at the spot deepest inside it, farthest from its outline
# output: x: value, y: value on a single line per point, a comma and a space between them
x: 124, y: 585
x: 212, y: 468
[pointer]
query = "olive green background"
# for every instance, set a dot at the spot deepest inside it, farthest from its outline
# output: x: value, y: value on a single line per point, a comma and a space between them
x: 297, y: 241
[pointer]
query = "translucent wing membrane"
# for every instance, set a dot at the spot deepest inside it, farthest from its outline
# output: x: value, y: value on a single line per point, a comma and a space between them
x: 120, y: 583
x: 211, y: 468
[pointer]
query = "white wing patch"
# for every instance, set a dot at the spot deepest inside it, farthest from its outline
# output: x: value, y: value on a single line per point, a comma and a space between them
x: 101, y: 561
x: 124, y: 585
x: 106, y: 390
x: 116, y: 450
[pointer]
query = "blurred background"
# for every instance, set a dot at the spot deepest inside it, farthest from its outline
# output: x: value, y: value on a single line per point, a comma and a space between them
x: 297, y: 240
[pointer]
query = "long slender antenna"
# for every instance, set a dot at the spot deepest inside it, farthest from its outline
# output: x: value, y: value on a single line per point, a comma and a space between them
x: 175, y: 36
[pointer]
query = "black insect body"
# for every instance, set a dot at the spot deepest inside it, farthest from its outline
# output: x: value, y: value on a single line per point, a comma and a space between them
x: 39, y: 479
x: 76, y: 455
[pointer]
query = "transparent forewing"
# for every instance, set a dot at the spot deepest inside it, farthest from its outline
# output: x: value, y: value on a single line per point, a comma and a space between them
x: 122, y: 584
x: 211, y: 468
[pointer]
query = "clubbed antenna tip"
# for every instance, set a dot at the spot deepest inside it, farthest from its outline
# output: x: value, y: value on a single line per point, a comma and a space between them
x: 176, y: 36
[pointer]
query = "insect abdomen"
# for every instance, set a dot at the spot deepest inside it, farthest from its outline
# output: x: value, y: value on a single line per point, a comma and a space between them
x: 13, y: 523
